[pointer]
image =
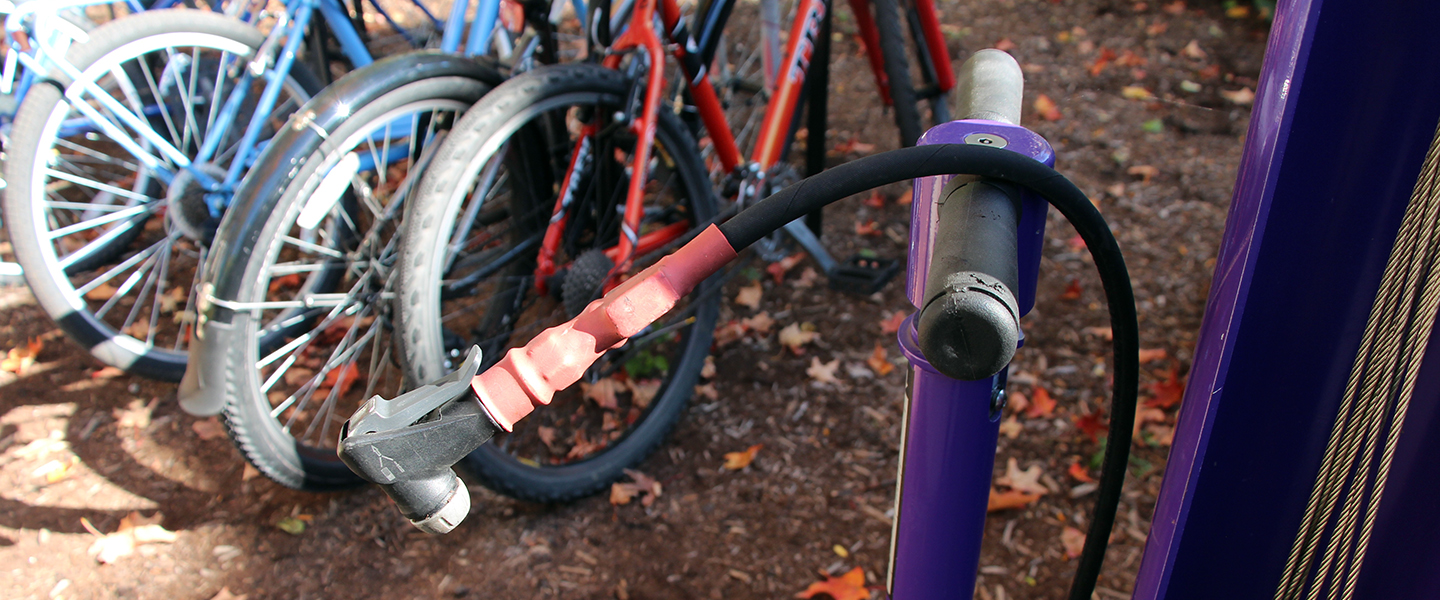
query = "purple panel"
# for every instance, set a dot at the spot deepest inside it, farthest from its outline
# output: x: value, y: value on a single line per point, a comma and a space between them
x: 1265, y: 142
x: 1345, y: 113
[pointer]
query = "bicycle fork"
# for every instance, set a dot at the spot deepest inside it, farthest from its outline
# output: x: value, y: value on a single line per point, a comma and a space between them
x: 974, y: 258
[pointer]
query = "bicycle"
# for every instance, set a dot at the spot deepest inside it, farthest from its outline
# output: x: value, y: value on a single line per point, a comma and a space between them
x: 975, y: 267
x: 558, y: 150
x: 294, y: 327
x: 120, y: 172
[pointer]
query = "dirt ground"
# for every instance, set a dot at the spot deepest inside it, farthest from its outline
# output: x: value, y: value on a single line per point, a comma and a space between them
x: 79, y: 453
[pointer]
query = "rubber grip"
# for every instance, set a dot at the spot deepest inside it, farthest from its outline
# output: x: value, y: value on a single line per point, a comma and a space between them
x: 969, y: 326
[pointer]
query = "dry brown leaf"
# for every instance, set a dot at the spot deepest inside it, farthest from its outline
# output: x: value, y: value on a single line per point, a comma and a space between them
x: 850, y: 586
x: 297, y: 376
x: 1146, y: 172
x: 225, y: 594
x: 208, y: 429
x: 795, y: 336
x: 1242, y: 96
x: 343, y: 378
x: 891, y: 324
x: 807, y: 279
x: 1145, y: 415
x: 1017, y: 401
x: 779, y: 269
x: 708, y: 390
x: 1045, y: 108
x: 750, y: 295
x: 136, y: 415
x: 101, y: 293
x: 1011, y: 427
x: 1073, y: 540
x: 761, y: 323
x: 823, y: 372
x: 644, y: 485
x: 879, y: 362
x: 708, y: 371
x: 1008, y: 500
x: 1193, y: 50
x: 548, y: 436
x: 134, y: 530
x: 735, y: 461
x: 107, y: 373
x: 21, y: 358
x: 1152, y: 354
x: 1103, y: 333
x: 1163, y: 435
x: 1027, y: 481
x: 603, y: 392
x: 729, y: 333
x: 643, y: 391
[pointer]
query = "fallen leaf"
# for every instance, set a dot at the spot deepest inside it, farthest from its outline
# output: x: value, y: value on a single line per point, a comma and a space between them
x: 136, y: 415
x: 343, y: 378
x: 291, y: 525
x: 1079, y: 472
x: 1135, y: 92
x: 208, y: 429
x: 867, y: 228
x: 1027, y: 481
x: 548, y: 436
x: 1237, y: 11
x: 101, y: 293
x: 285, y: 282
x: 1175, y: 8
x: 735, y: 461
x: 906, y: 198
x: 1073, y: 540
x: 1046, y: 109
x: 584, y: 447
x: 226, y: 594
x: 107, y: 373
x: 644, y: 485
x: 1009, y: 500
x: 852, y: 146
x: 878, y: 361
x: 891, y: 324
x: 1193, y: 50
x: 1143, y: 416
x: 823, y: 372
x: 708, y: 371
x: 20, y: 358
x: 1090, y: 424
x: 1146, y: 172
x: 1011, y: 427
x: 1157, y: 28
x: 794, y: 336
x: 1041, y: 404
x: 603, y: 392
x: 749, y: 296
x: 1242, y: 96
x: 850, y: 586
x: 1103, y: 333
x: 729, y: 333
x: 708, y: 390
x: 1163, y: 435
x: 643, y: 391
x: 1017, y: 401
x: 807, y: 278
x: 761, y: 323
x: 1072, y: 291
x: 1004, y: 45
x: 173, y: 299
x: 779, y: 268
x: 875, y: 199
x: 1106, y: 56
x: 134, y: 530
x: 1152, y: 354
x: 1168, y: 393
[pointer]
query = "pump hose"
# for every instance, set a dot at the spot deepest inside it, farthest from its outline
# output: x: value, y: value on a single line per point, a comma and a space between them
x: 870, y: 172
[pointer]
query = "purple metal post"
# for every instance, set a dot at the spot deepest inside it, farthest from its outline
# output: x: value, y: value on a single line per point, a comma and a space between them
x: 948, y: 446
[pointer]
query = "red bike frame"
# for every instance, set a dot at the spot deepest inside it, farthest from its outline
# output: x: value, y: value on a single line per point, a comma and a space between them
x: 640, y: 36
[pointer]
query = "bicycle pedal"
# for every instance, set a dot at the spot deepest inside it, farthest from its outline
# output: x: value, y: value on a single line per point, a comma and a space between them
x: 863, y: 276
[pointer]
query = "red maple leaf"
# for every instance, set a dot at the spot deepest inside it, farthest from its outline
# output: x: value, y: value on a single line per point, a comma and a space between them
x: 1041, y: 404
x: 1072, y: 291
x: 1091, y: 424
x: 850, y: 586
x: 1166, y: 394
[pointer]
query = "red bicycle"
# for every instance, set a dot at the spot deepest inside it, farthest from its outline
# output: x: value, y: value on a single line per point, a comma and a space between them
x: 565, y: 181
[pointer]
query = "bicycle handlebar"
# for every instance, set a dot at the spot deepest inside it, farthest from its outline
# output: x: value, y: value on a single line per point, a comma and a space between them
x: 969, y: 322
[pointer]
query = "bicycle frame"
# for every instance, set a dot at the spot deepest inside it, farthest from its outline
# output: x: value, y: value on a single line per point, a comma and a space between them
x: 785, y: 86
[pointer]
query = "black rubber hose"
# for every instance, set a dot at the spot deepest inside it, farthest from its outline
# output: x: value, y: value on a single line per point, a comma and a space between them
x: 874, y: 171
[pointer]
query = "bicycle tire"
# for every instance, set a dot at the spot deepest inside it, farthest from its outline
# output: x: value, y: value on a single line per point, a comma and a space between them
x: 39, y: 155
x: 507, y: 118
x: 280, y: 424
x: 903, y: 98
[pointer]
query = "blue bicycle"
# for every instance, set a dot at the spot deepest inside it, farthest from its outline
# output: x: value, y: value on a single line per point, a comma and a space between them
x: 122, y: 162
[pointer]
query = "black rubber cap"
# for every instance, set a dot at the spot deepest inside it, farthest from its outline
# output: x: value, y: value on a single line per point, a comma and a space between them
x: 970, y: 331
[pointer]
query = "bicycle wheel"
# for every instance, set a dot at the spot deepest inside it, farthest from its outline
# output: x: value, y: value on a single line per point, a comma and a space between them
x: 108, y: 228
x: 906, y: 56
x: 472, y: 244
x: 296, y: 333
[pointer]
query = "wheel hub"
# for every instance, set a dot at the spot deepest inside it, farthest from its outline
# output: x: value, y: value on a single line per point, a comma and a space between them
x: 186, y: 207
